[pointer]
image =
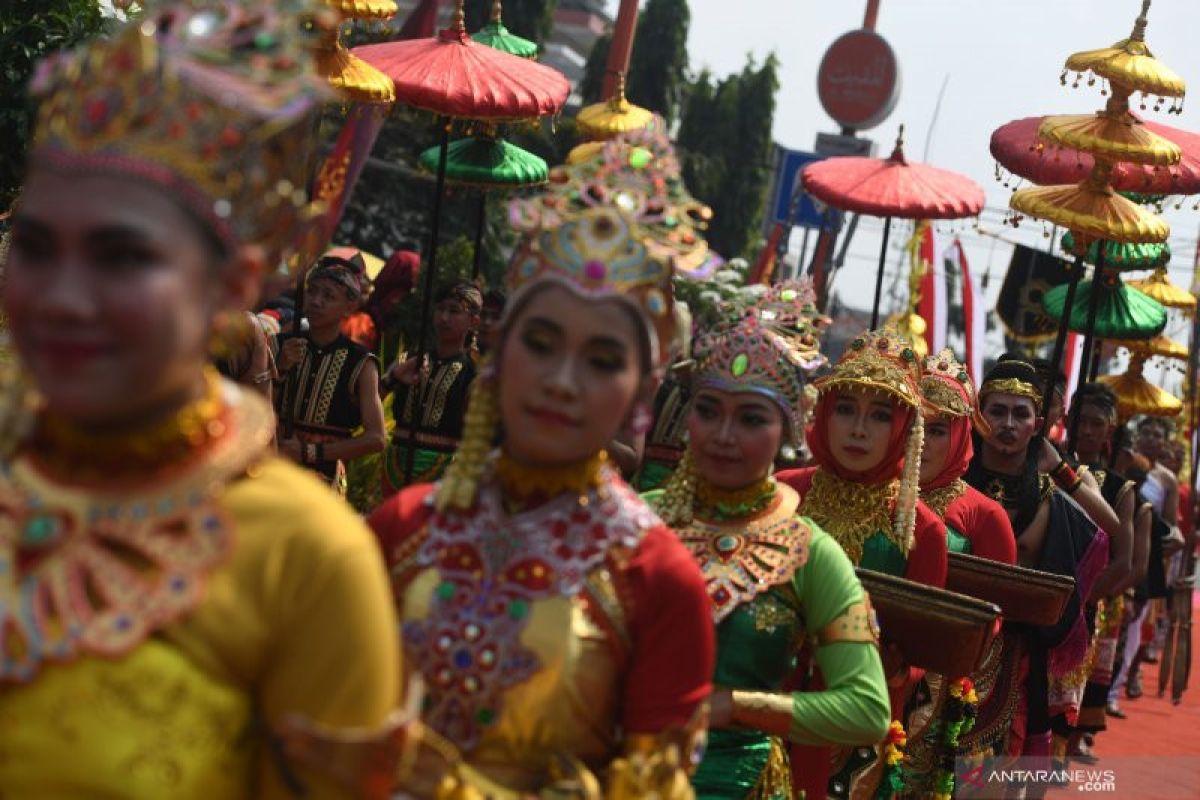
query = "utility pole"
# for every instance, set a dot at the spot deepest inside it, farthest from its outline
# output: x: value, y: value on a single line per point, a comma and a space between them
x: 822, y: 259
x: 622, y: 46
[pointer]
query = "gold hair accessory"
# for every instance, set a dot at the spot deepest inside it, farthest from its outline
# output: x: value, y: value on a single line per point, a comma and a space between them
x: 880, y: 361
x: 599, y: 253
x: 215, y: 103
x: 1014, y: 386
x: 766, y: 351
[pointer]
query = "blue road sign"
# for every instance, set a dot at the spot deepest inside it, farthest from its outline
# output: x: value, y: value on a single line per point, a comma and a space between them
x: 787, y: 183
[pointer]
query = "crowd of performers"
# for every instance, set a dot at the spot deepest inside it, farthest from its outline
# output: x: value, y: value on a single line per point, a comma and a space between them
x: 187, y: 610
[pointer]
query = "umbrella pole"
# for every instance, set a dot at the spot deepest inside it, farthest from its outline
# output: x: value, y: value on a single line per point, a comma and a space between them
x: 1089, y: 338
x: 887, y: 230
x: 427, y: 299
x: 1060, y: 341
x: 478, y: 267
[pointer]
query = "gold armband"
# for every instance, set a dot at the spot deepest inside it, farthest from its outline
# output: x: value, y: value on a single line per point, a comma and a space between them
x: 856, y: 624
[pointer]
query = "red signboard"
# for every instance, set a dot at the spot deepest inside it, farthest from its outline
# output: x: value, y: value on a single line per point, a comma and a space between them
x: 859, y: 80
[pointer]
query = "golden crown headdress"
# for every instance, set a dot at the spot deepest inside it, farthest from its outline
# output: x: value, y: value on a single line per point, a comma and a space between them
x: 946, y: 385
x: 637, y: 172
x: 598, y: 252
x: 766, y: 350
x: 212, y: 100
x: 879, y: 361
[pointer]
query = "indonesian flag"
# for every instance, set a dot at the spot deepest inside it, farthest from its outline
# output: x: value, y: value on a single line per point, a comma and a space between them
x: 941, y: 262
x: 1072, y: 368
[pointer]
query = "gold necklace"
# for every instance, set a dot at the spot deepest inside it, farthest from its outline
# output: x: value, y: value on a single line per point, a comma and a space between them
x: 940, y: 499
x: 523, y: 482
x: 851, y: 512
x: 65, y: 449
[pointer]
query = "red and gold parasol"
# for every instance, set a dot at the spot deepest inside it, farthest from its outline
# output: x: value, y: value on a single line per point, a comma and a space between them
x: 457, y: 78
x: 1019, y: 149
x: 892, y: 187
x: 453, y: 76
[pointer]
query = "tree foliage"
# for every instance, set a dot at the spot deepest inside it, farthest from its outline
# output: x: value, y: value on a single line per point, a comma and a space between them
x: 725, y: 146
x: 658, y: 65
x: 531, y: 19
x: 29, y: 30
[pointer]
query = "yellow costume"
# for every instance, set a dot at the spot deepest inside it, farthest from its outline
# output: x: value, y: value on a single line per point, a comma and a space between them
x: 255, y: 594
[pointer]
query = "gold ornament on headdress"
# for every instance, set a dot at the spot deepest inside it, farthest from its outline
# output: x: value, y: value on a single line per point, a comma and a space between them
x: 214, y: 103
x: 877, y: 361
x: 639, y: 173
x: 598, y: 252
x: 765, y: 350
x: 946, y: 385
x: 1014, y: 386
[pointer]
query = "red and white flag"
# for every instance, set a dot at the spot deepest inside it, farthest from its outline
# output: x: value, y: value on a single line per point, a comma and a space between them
x: 974, y: 314
x: 932, y: 305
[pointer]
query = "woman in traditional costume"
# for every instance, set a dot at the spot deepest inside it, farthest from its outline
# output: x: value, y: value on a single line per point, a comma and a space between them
x: 170, y: 591
x: 774, y: 578
x: 866, y: 439
x: 555, y: 620
x: 975, y: 523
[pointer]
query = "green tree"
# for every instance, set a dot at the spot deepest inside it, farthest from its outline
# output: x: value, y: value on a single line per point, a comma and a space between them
x: 657, y: 77
x: 659, y: 61
x: 29, y: 30
x: 725, y: 147
x: 531, y: 19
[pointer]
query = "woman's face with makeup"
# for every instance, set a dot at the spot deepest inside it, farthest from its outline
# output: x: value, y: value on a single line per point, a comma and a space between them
x: 570, y: 369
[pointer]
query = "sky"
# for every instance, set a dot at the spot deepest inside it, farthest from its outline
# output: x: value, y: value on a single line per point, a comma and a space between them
x: 1002, y: 58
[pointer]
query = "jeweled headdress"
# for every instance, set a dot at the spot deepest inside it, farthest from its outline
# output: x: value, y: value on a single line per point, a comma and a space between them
x: 946, y: 385
x: 1013, y: 376
x: 212, y: 100
x: 598, y: 252
x: 880, y: 361
x: 638, y: 173
x: 766, y: 350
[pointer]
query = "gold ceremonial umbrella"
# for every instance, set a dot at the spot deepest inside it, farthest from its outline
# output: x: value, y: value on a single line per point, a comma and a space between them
x: 1092, y: 211
x: 1136, y: 395
x: 612, y: 117
x: 1158, y: 346
x: 355, y: 79
x: 1129, y: 62
x: 1159, y: 287
x: 1119, y: 136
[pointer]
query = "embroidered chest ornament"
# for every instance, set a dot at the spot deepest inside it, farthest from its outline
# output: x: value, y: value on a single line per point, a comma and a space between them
x: 493, y: 568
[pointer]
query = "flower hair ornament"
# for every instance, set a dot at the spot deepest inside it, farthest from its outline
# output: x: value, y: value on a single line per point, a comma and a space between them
x: 213, y: 101
x: 883, y: 362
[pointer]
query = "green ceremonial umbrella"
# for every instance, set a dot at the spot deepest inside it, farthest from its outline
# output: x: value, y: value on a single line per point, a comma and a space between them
x: 486, y: 164
x: 1121, y: 255
x: 1121, y: 311
x: 494, y: 34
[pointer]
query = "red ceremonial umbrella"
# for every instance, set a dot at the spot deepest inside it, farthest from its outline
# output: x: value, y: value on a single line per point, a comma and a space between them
x: 1017, y: 148
x: 455, y: 77
x: 892, y: 187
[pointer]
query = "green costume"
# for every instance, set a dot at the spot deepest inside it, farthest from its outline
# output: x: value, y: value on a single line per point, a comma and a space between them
x: 775, y: 580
